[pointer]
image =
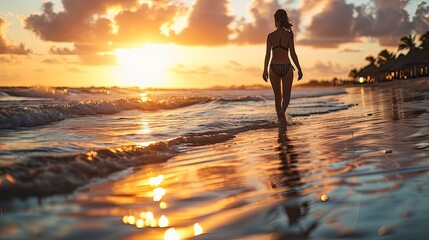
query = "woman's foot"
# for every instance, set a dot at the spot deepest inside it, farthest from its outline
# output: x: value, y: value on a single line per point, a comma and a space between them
x: 282, y: 119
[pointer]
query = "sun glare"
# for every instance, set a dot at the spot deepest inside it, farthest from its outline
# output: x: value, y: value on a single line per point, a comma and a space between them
x: 145, y: 66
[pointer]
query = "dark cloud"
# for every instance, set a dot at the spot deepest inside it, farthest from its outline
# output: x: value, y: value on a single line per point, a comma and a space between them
x: 332, y: 26
x: 62, y: 51
x: 349, y: 50
x: 207, y: 24
x: 392, y: 21
x: 261, y: 13
x: 6, y: 48
x: 385, y: 20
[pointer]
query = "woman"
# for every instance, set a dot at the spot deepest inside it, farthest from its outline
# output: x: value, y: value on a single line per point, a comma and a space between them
x: 281, y: 69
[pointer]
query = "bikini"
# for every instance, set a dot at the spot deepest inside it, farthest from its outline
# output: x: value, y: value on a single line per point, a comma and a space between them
x: 282, y: 69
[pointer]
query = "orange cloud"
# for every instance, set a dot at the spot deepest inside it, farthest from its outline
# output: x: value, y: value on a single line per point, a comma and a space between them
x: 207, y: 24
x: 103, y: 25
x: 6, y: 48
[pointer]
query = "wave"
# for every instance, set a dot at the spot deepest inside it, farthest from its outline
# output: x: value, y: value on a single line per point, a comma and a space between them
x: 50, y: 174
x: 35, y: 92
x: 30, y: 116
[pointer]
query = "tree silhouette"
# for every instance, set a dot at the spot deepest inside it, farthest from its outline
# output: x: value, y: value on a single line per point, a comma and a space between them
x: 370, y: 59
x: 407, y: 42
x: 353, y: 73
x: 384, y: 56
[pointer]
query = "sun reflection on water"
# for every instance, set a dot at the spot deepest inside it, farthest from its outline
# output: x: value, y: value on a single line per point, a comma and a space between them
x: 155, y: 181
x: 158, y: 193
x: 198, y: 230
x: 171, y: 234
x: 163, y: 221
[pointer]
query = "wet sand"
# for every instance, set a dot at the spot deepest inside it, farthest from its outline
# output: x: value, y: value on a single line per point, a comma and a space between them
x: 362, y: 173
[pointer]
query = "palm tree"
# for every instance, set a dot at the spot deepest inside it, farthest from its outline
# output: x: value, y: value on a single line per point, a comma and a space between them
x: 384, y: 56
x: 370, y: 59
x: 407, y: 42
x: 353, y: 73
x: 424, y: 38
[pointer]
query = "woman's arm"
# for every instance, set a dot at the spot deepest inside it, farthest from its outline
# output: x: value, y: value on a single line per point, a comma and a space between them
x: 295, y: 57
x: 267, y: 59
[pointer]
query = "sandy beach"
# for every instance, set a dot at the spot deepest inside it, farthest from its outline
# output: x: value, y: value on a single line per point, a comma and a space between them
x: 361, y: 173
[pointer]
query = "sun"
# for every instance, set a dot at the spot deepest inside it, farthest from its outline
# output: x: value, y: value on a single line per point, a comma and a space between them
x: 144, y: 66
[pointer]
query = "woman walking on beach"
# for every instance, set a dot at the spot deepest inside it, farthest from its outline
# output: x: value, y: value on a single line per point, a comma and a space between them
x: 281, y: 69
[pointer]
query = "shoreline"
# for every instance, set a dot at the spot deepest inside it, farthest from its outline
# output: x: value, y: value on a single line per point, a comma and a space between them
x: 369, y: 161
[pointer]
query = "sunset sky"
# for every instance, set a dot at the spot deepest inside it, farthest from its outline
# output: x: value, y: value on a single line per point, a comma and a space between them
x: 190, y: 43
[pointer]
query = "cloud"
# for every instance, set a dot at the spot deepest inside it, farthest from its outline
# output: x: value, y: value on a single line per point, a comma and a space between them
x: 75, y: 70
x: 6, y: 48
x: 207, y: 24
x: 328, y: 68
x: 80, y: 21
x: 349, y: 50
x: 51, y: 61
x: 385, y: 20
x: 98, y: 59
x: 262, y: 21
x: 10, y: 60
x: 181, y: 69
x: 103, y: 25
x: 237, y: 67
x: 62, y: 51
x: 332, y: 26
x: 146, y: 23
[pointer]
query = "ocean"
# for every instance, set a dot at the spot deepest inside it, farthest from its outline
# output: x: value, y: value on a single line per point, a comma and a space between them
x: 126, y: 163
x: 53, y: 140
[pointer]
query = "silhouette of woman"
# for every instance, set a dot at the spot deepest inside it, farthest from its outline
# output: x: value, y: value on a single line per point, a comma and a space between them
x: 281, y: 74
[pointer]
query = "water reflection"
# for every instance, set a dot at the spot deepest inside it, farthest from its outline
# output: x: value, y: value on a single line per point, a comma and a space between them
x: 289, y: 179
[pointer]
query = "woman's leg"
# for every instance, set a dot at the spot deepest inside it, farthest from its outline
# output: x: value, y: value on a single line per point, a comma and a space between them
x: 276, y: 85
x: 287, y: 87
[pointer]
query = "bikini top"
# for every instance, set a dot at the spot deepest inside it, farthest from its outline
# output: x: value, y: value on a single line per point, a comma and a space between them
x: 280, y: 43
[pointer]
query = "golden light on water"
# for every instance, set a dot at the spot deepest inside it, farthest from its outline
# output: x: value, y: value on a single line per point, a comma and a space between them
x: 171, y: 234
x: 163, y: 221
x: 125, y: 219
x: 91, y: 155
x: 140, y: 223
x: 144, y: 97
x: 158, y: 193
x: 131, y: 220
x: 9, y: 178
x: 145, y: 66
x: 324, y: 198
x: 148, y: 215
x: 163, y: 205
x: 155, y: 181
x: 198, y: 230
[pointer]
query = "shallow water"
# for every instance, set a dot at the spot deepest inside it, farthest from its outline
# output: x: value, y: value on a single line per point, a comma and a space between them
x: 355, y: 173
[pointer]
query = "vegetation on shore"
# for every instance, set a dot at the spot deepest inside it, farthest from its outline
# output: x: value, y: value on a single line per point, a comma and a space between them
x: 388, y: 65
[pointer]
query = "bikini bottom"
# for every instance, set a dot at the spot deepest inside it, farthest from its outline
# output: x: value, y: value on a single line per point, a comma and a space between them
x: 281, y: 70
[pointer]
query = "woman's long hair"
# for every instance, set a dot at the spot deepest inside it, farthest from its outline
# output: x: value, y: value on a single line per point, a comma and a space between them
x: 283, y: 20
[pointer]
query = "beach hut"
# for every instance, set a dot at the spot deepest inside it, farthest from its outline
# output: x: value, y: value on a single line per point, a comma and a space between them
x: 398, y: 67
x: 414, y: 63
x: 385, y: 72
x: 368, y: 74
